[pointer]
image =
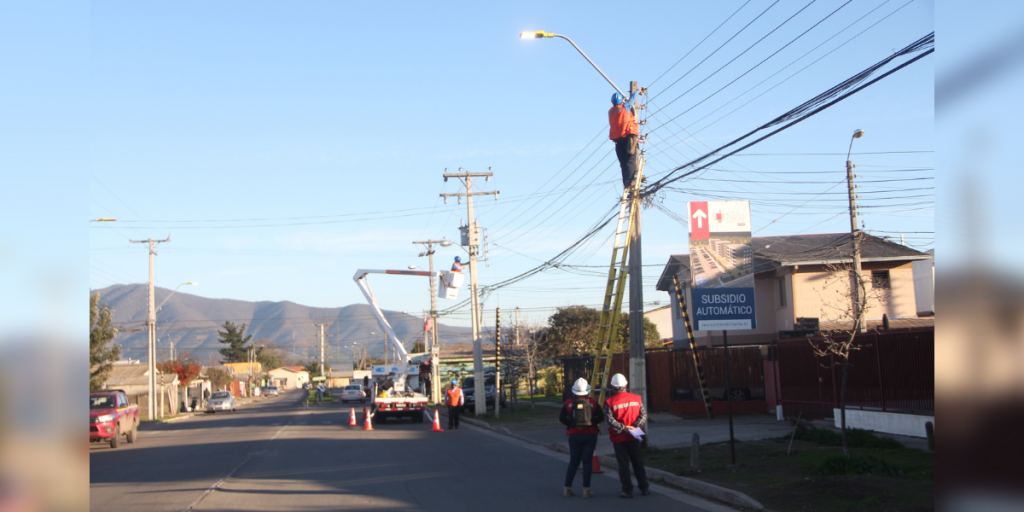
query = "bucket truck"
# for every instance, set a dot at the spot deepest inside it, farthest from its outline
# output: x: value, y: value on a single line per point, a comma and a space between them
x: 390, y: 394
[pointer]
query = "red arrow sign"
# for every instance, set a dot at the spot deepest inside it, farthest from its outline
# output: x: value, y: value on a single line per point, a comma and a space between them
x: 699, y: 221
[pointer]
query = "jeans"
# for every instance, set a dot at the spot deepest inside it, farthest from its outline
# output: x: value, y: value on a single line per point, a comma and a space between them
x: 453, y: 416
x: 625, y: 149
x: 581, y: 449
x: 628, y: 452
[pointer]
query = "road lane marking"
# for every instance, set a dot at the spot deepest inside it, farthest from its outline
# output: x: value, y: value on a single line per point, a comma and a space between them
x: 215, y: 486
x: 279, y: 432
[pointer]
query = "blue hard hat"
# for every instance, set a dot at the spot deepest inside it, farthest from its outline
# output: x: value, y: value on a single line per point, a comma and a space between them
x: 455, y: 382
x: 616, y: 99
x: 458, y: 259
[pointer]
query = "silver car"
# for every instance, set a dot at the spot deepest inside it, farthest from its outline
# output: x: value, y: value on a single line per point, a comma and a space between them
x: 353, y: 393
x: 221, y: 401
x: 270, y: 391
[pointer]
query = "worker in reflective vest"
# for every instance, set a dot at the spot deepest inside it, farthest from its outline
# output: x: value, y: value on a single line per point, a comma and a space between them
x: 454, y: 399
x: 457, y: 266
x: 623, y: 131
x: 625, y: 414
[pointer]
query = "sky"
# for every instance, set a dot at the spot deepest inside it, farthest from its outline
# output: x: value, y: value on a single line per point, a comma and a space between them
x: 284, y: 146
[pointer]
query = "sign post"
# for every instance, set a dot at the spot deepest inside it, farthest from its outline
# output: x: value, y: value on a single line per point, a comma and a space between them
x: 722, y: 275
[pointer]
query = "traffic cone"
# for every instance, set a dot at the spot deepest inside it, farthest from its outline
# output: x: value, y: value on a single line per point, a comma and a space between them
x: 596, y: 467
x: 367, y: 424
x: 437, y: 423
x: 352, y: 418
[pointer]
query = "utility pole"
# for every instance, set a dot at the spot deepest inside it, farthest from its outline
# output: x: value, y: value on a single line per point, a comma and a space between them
x: 151, y: 324
x: 637, y: 352
x: 322, y: 336
x: 858, y: 275
x: 497, y: 362
x: 471, y: 238
x: 435, y: 350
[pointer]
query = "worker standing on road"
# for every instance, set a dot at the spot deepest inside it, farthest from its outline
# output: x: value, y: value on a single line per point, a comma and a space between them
x: 320, y: 394
x: 454, y: 399
x: 581, y: 415
x: 457, y: 266
x: 623, y: 131
x: 626, y: 414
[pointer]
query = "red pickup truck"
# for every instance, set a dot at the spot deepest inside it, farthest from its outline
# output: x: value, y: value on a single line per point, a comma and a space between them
x: 111, y: 416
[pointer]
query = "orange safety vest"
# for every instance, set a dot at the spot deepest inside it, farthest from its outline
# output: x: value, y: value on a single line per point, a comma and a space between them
x: 621, y: 122
x: 453, y: 396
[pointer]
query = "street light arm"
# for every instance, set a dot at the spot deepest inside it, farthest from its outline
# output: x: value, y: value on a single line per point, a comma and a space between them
x: 591, y: 62
x: 169, y: 296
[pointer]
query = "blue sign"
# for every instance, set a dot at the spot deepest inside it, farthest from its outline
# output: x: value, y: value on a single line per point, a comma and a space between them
x: 724, y: 309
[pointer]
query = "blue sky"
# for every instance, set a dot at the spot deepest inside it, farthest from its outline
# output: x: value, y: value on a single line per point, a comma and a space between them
x: 283, y: 146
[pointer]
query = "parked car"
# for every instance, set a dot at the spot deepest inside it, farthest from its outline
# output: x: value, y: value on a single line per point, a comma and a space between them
x: 221, y: 401
x: 271, y: 391
x: 354, y: 393
x: 112, y: 416
x: 469, y: 391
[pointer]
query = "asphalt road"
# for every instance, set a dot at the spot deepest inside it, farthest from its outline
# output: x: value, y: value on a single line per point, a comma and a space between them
x: 275, y: 455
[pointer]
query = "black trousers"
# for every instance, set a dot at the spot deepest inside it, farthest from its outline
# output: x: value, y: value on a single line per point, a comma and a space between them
x: 626, y: 453
x: 625, y: 149
x: 581, y: 449
x: 453, y: 416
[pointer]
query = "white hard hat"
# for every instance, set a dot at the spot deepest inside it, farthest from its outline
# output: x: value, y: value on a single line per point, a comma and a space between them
x: 581, y: 387
x: 619, y: 381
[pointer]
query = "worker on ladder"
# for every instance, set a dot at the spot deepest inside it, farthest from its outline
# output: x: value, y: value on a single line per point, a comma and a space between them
x: 624, y: 131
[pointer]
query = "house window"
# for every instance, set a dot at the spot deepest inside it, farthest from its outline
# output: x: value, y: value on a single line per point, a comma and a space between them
x: 782, y: 291
x: 880, y: 279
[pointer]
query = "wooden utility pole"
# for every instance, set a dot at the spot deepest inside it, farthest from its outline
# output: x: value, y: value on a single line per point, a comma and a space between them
x: 471, y: 239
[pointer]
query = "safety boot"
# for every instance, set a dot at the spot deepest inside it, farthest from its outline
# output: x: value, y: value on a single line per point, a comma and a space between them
x: 587, y: 493
x: 568, y: 492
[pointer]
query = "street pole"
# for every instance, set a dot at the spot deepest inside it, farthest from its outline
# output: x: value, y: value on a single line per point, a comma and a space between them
x: 472, y: 240
x: 728, y: 396
x: 497, y: 362
x: 435, y: 351
x: 637, y: 351
x: 151, y: 325
x: 322, y: 336
x: 858, y: 275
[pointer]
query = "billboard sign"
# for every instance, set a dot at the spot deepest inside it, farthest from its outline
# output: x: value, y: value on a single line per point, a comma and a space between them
x: 721, y: 265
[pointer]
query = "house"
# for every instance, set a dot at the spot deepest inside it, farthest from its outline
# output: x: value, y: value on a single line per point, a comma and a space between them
x: 797, y: 284
x: 132, y: 377
x: 289, y: 377
x: 662, y: 319
x: 241, y: 370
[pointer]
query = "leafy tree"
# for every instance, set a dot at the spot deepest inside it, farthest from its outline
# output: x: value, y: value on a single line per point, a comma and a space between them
x: 234, y: 337
x: 313, y: 367
x: 219, y: 377
x: 652, y: 338
x: 418, y: 347
x: 572, y: 331
x: 269, y: 355
x: 102, y: 352
x: 186, y: 366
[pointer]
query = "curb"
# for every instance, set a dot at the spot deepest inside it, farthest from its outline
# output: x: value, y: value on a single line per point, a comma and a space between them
x: 691, y: 485
x: 178, y: 418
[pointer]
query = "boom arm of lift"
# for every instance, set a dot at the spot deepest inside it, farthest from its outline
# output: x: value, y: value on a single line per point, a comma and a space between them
x: 403, y: 356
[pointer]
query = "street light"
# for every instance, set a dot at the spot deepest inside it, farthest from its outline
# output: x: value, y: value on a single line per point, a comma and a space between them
x: 854, y: 233
x: 193, y: 283
x: 540, y: 34
x: 104, y: 219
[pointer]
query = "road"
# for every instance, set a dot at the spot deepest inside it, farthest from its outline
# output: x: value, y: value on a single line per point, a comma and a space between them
x: 276, y: 455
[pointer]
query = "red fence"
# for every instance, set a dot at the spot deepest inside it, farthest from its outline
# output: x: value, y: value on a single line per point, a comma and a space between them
x: 891, y: 372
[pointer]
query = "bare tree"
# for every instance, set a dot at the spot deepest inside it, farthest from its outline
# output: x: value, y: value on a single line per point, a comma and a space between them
x: 522, y: 351
x: 845, y: 297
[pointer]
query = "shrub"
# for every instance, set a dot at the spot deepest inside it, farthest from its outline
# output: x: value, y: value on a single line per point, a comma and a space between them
x: 855, y: 438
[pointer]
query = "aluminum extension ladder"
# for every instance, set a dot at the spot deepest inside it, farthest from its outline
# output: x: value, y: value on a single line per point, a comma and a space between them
x: 608, y: 327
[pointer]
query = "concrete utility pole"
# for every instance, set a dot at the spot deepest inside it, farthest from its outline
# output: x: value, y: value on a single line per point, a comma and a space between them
x: 497, y: 362
x: 322, y: 336
x: 858, y: 275
x: 435, y: 350
x: 471, y: 239
x: 151, y: 325
x: 637, y: 352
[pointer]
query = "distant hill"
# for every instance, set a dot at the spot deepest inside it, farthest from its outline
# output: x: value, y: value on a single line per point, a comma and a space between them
x: 190, y: 323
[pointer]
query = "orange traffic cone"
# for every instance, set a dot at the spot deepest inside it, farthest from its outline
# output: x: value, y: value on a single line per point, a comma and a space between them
x: 367, y: 424
x: 352, y: 418
x: 437, y: 423
x: 596, y: 467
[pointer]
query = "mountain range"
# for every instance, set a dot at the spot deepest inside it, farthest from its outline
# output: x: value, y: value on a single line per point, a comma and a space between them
x: 190, y: 323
